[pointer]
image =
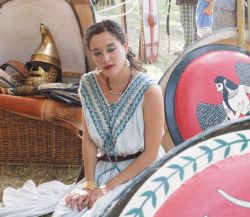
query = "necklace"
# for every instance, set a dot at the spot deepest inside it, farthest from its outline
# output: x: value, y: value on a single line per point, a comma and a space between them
x: 121, y: 92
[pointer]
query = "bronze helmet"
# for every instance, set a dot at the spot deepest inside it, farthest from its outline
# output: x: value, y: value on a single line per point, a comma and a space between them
x: 45, y: 65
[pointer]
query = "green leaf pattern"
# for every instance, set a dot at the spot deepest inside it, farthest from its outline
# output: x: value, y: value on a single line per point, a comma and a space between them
x: 163, y: 182
x: 178, y: 169
x: 191, y: 160
x: 150, y: 196
x: 245, y: 141
x: 208, y: 152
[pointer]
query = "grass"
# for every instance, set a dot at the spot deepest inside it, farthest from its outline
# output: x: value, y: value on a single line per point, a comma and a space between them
x: 15, y: 176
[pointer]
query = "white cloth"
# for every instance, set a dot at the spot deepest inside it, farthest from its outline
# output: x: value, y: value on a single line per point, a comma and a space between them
x: 129, y: 141
x: 203, y: 31
x: 31, y: 200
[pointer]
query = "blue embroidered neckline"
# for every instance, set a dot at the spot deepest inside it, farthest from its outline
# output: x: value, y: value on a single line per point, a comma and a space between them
x: 111, y: 119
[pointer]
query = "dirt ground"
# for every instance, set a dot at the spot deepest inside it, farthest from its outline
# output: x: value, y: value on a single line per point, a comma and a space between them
x: 15, y: 176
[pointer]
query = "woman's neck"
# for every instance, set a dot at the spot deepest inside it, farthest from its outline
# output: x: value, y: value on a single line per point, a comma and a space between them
x: 120, y: 78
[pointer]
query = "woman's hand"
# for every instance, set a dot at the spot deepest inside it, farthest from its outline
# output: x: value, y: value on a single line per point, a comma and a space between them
x: 79, y: 197
x: 96, y: 194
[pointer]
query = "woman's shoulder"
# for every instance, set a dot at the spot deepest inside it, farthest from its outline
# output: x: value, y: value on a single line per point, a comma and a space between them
x: 153, y: 90
x: 87, y: 78
x: 143, y: 77
x: 87, y: 75
x: 145, y: 80
x: 153, y: 99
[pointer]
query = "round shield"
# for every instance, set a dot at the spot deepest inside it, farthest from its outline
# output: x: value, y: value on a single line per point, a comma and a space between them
x: 209, y: 86
x: 193, y: 166
x: 208, y: 179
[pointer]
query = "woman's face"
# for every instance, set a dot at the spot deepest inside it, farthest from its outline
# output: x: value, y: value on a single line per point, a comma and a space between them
x: 108, y: 53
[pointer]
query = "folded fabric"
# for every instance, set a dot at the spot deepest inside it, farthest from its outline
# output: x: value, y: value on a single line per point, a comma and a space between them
x: 64, y: 96
x: 31, y: 200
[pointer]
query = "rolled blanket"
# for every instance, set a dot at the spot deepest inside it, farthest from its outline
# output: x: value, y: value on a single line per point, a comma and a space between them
x: 72, y: 87
x: 65, y: 92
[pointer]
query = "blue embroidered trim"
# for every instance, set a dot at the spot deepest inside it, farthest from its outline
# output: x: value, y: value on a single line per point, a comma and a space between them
x: 127, y: 105
x: 110, y: 120
x: 95, y: 104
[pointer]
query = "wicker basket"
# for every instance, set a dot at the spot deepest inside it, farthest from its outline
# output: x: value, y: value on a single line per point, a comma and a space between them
x: 27, y: 140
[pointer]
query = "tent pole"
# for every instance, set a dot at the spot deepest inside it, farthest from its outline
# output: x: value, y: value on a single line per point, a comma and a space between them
x: 241, y: 23
x: 248, y: 12
x: 124, y: 18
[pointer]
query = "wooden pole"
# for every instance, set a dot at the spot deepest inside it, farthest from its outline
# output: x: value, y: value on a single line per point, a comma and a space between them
x: 241, y: 23
x: 248, y: 12
x: 141, y: 53
x: 123, y: 18
x: 86, y: 16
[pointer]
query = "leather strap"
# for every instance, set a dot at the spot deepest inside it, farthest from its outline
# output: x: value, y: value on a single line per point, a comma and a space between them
x: 18, y: 66
x: 3, y: 90
x: 110, y: 158
x: 5, y: 79
x: 4, y: 74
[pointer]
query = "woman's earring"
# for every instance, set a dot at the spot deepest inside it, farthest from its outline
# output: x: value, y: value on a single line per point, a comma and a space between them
x: 127, y: 63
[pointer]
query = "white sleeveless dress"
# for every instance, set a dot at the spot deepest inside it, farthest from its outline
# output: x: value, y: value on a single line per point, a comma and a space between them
x: 116, y: 129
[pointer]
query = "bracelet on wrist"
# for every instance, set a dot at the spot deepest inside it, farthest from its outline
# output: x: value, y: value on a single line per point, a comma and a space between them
x: 90, y: 185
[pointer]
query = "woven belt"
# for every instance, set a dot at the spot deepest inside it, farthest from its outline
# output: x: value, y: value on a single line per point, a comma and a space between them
x: 111, y: 158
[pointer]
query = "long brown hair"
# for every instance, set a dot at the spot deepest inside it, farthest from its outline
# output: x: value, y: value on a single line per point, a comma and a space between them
x: 115, y: 29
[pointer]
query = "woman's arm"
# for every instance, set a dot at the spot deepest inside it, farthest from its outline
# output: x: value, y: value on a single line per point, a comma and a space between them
x: 89, y: 152
x: 153, y: 109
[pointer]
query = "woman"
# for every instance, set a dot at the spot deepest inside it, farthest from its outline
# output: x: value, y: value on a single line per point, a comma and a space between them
x: 235, y: 97
x: 123, y: 122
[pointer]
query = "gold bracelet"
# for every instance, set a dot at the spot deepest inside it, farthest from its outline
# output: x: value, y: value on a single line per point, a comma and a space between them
x: 90, y: 185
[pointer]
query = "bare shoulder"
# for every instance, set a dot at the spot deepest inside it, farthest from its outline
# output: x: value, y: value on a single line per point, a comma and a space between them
x: 153, y: 107
x: 153, y: 92
x: 153, y: 98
